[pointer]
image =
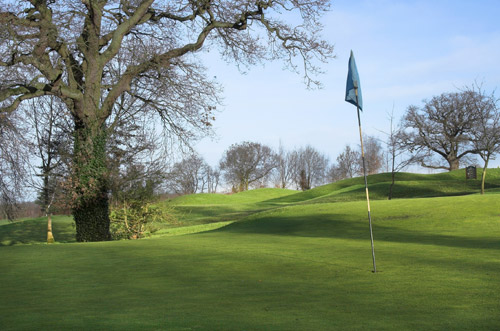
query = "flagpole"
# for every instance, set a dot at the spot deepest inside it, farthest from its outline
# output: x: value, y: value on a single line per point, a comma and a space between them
x: 366, y: 182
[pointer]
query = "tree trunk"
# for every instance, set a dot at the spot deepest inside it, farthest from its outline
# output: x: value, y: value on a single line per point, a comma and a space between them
x: 454, y: 163
x: 393, y: 171
x: 393, y: 175
x: 50, y: 236
x: 483, y: 176
x: 90, y: 207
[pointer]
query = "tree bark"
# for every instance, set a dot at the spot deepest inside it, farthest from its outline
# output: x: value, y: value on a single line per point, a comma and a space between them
x: 454, y: 163
x: 91, y: 202
x: 393, y: 177
x: 483, y: 176
x: 50, y: 236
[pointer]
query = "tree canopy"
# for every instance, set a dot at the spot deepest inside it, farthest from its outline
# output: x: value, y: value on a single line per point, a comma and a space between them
x: 95, y: 55
x: 446, y: 126
x: 247, y: 163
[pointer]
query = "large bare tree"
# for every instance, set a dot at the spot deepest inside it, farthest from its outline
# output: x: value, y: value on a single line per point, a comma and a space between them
x: 192, y: 175
x: 89, y: 53
x: 444, y: 126
x: 188, y: 176
x: 310, y: 167
x: 247, y: 163
x: 347, y: 165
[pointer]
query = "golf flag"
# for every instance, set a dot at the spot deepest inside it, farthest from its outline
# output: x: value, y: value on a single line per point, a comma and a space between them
x: 353, y: 84
x: 353, y: 95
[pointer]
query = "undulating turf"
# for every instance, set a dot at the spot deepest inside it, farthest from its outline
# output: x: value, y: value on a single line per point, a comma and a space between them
x: 30, y: 231
x: 301, y: 265
x: 208, y: 208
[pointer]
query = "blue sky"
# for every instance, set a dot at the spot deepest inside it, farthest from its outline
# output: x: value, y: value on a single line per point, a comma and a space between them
x: 406, y: 51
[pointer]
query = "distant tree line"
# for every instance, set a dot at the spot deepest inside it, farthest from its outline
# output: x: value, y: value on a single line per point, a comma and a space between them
x: 248, y: 165
x: 448, y: 131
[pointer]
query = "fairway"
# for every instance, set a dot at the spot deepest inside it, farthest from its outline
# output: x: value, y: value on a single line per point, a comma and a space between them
x: 284, y: 265
x: 195, y: 165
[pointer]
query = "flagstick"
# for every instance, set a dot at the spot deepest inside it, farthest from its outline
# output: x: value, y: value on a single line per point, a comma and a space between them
x: 366, y: 182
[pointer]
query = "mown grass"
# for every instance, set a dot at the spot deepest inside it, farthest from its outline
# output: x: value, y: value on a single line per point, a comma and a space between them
x: 245, y: 197
x: 289, y: 266
x: 208, y: 208
x: 31, y: 231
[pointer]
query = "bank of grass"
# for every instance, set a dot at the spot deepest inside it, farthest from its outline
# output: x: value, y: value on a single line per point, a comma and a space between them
x: 208, y: 208
x: 245, y: 197
x: 34, y: 230
x: 407, y: 185
x: 293, y: 268
x: 304, y: 264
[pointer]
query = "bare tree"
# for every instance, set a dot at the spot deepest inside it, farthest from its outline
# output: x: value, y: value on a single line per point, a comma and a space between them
x: 50, y: 151
x: 136, y: 154
x: 188, y: 176
x: 399, y: 157
x: 13, y: 161
x: 212, y: 175
x: 50, y: 145
x: 486, y: 132
x: 374, y: 155
x: 284, y: 170
x: 247, y: 163
x: 90, y: 53
x: 310, y: 167
x: 443, y: 126
x: 348, y: 164
x: 334, y: 173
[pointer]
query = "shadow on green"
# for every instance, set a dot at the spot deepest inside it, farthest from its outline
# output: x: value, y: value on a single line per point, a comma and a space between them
x: 31, y: 231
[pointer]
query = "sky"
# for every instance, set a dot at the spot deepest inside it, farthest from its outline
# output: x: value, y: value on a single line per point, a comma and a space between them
x: 406, y: 52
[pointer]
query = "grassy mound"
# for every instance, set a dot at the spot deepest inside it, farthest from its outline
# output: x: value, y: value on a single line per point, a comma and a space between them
x: 292, y: 268
x: 407, y: 185
x: 209, y: 208
x: 282, y: 260
x: 251, y: 196
x: 196, y: 209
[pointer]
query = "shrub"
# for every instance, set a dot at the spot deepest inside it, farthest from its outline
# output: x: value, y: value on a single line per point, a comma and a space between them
x: 134, y: 220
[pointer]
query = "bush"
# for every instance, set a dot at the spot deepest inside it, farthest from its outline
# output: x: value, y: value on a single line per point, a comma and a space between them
x: 134, y: 220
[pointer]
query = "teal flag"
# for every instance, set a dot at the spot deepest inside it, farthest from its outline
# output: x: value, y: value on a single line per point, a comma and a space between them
x: 353, y: 84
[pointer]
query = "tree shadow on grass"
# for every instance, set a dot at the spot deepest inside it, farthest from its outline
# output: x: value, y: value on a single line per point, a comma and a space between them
x: 405, y: 190
x: 219, y: 213
x: 349, y: 227
x: 34, y: 231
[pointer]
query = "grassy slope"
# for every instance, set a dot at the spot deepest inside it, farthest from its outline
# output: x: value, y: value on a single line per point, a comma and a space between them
x: 208, y: 208
x: 295, y: 266
x: 407, y: 185
x: 30, y: 231
x: 252, y: 196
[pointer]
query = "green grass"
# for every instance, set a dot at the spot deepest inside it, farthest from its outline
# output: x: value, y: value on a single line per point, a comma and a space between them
x: 208, y: 208
x: 246, y: 197
x: 32, y: 231
x: 303, y: 265
x: 196, y: 209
